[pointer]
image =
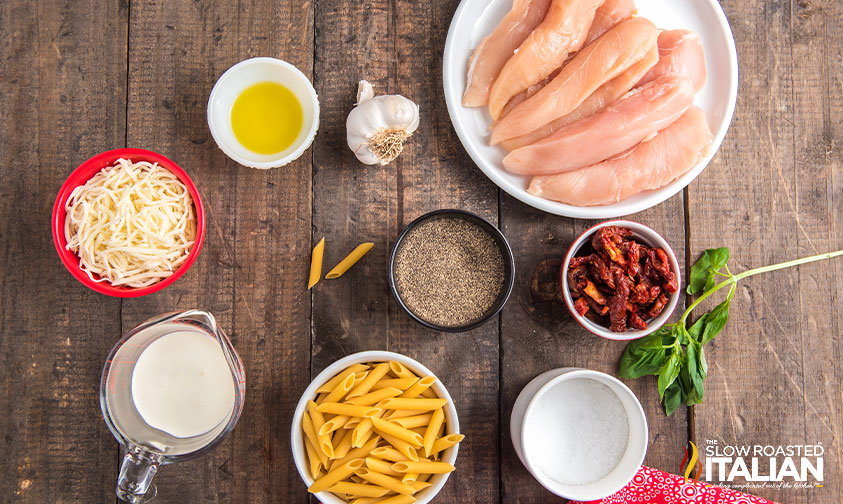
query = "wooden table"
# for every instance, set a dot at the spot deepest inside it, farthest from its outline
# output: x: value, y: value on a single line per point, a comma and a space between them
x: 80, y: 77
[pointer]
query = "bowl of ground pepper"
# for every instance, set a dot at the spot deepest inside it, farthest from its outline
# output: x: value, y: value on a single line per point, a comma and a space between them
x: 451, y: 270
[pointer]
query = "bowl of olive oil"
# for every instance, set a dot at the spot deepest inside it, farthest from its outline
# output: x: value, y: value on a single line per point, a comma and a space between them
x: 263, y: 113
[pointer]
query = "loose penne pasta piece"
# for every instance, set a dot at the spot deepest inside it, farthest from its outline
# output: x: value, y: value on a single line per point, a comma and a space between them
x: 316, y: 263
x: 352, y: 423
x: 360, y: 453
x: 414, y: 421
x: 323, y: 441
x: 371, y: 379
x: 362, y: 432
x: 376, y: 396
x: 401, y: 403
x: 333, y: 382
x: 381, y: 466
x: 335, y: 475
x: 445, y: 442
x: 396, y: 414
x: 429, y: 394
x: 344, y: 445
x: 420, y: 386
x: 409, y: 478
x: 313, y: 459
x: 310, y: 435
x: 358, y: 489
x: 398, y: 499
x: 333, y: 424
x: 388, y: 453
x: 349, y: 260
x: 423, y: 477
x: 365, y: 500
x: 348, y: 409
x: 395, y: 430
x: 400, y: 370
x: 385, y: 481
x: 432, y: 433
x: 340, y: 390
x: 419, y: 485
x: 422, y: 467
x: 402, y: 446
x: 399, y: 383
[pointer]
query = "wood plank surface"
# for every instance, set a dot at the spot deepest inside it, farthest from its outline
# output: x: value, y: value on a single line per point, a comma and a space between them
x: 397, y: 47
x: 54, y: 332
x: 257, y: 240
x: 774, y: 194
x: 539, y: 335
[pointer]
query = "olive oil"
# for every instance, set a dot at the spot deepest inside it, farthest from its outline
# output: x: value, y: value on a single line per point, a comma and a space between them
x: 266, y: 118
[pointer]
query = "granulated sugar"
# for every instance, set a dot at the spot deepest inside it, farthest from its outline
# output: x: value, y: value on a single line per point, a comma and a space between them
x: 577, y: 432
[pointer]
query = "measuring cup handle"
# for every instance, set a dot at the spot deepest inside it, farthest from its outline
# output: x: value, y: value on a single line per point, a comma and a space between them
x: 135, y: 482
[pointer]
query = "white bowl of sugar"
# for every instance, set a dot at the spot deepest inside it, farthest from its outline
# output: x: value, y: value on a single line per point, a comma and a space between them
x: 582, y: 434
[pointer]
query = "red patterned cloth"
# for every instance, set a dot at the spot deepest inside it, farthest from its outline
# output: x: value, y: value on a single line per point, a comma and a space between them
x: 651, y: 486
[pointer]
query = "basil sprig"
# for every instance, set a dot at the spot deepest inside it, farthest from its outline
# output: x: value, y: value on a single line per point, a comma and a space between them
x: 675, y: 352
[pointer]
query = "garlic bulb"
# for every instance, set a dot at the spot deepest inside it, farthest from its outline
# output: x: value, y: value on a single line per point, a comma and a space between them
x: 378, y: 126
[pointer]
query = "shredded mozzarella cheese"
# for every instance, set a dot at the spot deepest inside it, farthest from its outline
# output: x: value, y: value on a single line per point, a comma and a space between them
x: 131, y: 224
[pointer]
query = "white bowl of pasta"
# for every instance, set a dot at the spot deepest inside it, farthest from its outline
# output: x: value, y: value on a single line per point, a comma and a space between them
x: 384, y: 427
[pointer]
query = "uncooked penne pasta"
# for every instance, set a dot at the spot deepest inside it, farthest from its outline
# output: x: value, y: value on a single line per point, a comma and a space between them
x: 414, y: 421
x: 340, y: 390
x: 335, y: 475
x: 396, y: 414
x: 361, y: 433
x: 344, y: 445
x: 399, y: 383
x: 422, y: 467
x: 333, y: 424
x: 402, y: 446
x: 381, y: 466
x: 385, y: 481
x: 395, y: 430
x: 346, y: 409
x: 376, y: 396
x: 400, y: 370
x: 333, y: 382
x: 323, y: 440
x: 316, y: 263
x: 373, y: 377
x: 433, y: 430
x: 398, y: 499
x: 349, y: 260
x: 445, y: 442
x: 315, y: 462
x: 409, y: 478
x: 419, y: 485
x: 387, y: 453
x: 360, y: 453
x: 358, y: 489
x: 420, y: 386
x: 401, y: 403
x: 310, y: 435
x: 429, y: 393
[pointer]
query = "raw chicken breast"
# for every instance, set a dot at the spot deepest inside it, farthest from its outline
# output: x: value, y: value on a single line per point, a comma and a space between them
x: 596, y: 101
x: 562, y: 32
x: 494, y: 51
x: 599, y: 62
x: 680, y: 51
x: 636, y: 116
x: 608, y: 15
x: 649, y: 165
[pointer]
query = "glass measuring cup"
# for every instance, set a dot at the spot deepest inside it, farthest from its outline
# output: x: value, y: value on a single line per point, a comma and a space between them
x: 145, y: 447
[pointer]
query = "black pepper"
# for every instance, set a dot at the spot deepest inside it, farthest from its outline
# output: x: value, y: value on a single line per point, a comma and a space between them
x: 449, y: 271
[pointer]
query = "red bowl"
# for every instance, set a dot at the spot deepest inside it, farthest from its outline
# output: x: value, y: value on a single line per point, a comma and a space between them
x: 81, y: 175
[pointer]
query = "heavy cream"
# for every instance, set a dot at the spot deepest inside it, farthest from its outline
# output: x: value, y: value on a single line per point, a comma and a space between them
x: 182, y: 384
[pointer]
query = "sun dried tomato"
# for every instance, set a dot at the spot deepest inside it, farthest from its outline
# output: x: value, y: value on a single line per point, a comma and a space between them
x: 621, y: 278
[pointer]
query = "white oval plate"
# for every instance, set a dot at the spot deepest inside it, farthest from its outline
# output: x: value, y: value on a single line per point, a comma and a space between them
x: 474, y: 19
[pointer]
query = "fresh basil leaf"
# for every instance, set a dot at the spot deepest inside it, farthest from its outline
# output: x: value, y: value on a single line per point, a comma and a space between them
x: 646, y: 356
x: 672, y: 398
x: 703, y: 271
x: 693, y: 352
x: 669, y: 371
x: 696, y: 330
x: 715, y: 320
x: 702, y: 365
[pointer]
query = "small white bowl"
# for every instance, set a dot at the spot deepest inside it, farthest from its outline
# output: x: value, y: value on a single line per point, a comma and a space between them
x: 297, y: 440
x: 644, y: 235
x: 630, y: 462
x: 239, y: 77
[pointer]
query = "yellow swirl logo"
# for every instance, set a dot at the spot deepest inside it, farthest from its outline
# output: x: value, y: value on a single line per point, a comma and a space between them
x: 694, y: 462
